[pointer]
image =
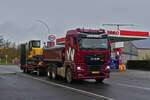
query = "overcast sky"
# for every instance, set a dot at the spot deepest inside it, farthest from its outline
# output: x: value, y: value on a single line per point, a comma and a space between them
x: 18, y: 18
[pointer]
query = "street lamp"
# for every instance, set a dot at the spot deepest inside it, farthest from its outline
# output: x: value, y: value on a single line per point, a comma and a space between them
x: 51, y: 38
x: 45, y: 25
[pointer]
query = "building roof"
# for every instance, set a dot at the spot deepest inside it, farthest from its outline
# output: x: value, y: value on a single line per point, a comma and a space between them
x: 142, y: 44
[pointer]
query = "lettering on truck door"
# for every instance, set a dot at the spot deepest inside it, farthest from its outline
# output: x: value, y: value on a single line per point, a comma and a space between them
x: 70, y: 50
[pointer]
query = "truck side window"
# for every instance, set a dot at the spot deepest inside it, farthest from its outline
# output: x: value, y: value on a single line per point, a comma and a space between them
x: 68, y: 43
x: 71, y: 42
x: 74, y: 44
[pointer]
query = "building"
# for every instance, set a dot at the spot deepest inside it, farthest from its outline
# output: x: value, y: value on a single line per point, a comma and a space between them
x: 133, y: 51
x: 143, y: 53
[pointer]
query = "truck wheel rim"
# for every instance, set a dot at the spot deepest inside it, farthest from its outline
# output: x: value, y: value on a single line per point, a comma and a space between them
x: 53, y: 75
x: 38, y: 73
x: 48, y: 74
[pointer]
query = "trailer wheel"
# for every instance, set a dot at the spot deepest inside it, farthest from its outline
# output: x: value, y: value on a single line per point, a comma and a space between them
x: 27, y: 70
x: 49, y: 73
x: 54, y: 73
x: 39, y: 72
x: 69, y: 75
x: 24, y: 70
x: 100, y: 80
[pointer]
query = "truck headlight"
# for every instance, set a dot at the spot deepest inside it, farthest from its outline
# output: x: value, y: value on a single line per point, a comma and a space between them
x: 79, y: 68
x: 107, y: 67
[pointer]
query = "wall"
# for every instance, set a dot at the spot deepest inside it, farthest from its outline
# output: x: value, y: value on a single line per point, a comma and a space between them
x: 143, y: 54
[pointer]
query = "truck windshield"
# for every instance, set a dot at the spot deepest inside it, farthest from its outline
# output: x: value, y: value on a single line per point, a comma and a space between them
x: 93, y: 44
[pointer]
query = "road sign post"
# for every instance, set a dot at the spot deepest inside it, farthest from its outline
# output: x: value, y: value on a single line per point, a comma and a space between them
x: 51, y: 42
x: 6, y: 58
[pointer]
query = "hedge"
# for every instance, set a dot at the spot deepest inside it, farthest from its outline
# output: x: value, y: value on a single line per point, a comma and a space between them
x: 138, y: 64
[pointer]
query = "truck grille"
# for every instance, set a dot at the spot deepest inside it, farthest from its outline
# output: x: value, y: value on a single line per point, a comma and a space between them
x: 94, y: 62
x: 90, y: 74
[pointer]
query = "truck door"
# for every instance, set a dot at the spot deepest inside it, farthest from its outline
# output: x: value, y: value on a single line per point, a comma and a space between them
x: 70, y: 50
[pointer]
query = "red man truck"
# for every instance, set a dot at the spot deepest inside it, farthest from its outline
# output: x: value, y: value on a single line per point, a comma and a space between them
x: 83, y: 54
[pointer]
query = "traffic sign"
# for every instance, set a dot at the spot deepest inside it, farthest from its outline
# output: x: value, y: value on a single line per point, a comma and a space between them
x: 50, y: 44
x: 51, y: 37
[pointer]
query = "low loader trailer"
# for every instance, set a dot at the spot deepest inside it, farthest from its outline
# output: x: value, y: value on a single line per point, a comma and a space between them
x: 31, y: 58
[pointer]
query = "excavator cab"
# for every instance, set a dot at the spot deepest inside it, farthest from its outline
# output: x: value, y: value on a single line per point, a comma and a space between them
x: 34, y: 44
x: 34, y: 48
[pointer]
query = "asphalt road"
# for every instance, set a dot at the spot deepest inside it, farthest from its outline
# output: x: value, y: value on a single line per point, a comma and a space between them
x: 130, y: 85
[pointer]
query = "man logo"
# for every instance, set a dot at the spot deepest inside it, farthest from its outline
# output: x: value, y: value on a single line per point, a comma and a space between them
x: 96, y: 59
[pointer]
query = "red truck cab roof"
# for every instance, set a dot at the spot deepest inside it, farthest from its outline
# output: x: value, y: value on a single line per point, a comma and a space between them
x: 78, y: 30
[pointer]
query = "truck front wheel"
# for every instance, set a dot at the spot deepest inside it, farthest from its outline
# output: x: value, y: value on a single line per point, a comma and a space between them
x: 69, y: 75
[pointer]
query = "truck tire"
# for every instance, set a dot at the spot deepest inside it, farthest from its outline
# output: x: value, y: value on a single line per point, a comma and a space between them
x: 54, y: 73
x: 69, y: 78
x: 27, y: 70
x: 39, y: 72
x: 49, y: 73
x: 100, y: 80
x: 24, y: 70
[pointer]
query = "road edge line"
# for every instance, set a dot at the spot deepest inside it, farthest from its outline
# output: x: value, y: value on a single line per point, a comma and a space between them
x: 70, y: 88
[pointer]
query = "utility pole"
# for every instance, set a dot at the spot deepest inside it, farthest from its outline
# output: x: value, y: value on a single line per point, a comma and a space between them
x: 46, y: 25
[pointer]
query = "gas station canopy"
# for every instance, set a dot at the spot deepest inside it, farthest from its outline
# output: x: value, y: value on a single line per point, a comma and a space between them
x: 124, y: 35
x: 120, y: 36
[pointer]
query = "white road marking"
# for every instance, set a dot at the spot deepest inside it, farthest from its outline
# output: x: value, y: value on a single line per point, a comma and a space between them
x: 133, y: 86
x: 70, y: 88
x: 5, y: 71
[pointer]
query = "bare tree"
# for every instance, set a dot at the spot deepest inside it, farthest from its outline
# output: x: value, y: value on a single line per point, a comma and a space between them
x: 7, y: 44
x: 1, y: 42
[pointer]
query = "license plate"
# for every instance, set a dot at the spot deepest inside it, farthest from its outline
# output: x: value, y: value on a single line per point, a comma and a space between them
x: 96, y: 72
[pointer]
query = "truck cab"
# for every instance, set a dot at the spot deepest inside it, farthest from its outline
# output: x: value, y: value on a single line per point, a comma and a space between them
x: 87, y: 54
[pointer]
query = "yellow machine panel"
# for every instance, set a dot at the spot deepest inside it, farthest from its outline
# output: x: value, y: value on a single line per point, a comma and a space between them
x: 35, y: 51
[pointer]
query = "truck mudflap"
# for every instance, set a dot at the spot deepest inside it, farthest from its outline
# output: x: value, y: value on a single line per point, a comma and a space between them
x: 32, y: 67
x: 22, y: 67
x: 91, y: 75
